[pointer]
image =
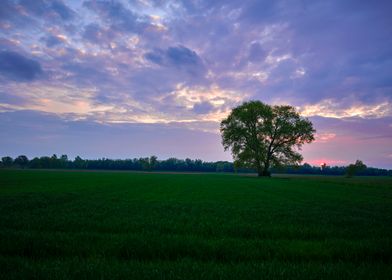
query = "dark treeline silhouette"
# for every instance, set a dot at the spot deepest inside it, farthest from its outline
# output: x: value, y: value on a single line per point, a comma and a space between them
x: 172, y: 164
x: 330, y: 170
x: 139, y: 164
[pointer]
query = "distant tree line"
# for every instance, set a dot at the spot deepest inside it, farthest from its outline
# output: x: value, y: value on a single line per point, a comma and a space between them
x: 138, y: 164
x: 173, y: 164
x: 349, y: 171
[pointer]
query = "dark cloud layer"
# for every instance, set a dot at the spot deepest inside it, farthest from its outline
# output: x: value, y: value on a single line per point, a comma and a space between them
x: 17, y: 67
x: 175, y: 56
x: 178, y: 57
x: 117, y: 15
x: 52, y: 41
x: 47, y: 8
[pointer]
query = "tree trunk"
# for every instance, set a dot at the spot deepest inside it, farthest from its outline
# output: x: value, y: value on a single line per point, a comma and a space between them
x: 266, y: 173
x: 263, y: 172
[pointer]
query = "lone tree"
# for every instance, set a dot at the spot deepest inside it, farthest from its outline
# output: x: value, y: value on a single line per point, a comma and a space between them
x: 261, y: 136
x: 353, y: 169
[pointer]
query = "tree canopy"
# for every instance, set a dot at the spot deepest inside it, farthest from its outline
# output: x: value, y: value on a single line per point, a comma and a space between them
x: 260, y: 136
x: 353, y: 169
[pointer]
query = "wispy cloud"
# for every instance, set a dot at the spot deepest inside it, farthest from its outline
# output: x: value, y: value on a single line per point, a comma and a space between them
x: 333, y: 109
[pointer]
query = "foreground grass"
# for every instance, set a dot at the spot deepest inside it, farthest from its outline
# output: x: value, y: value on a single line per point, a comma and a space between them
x: 120, y: 225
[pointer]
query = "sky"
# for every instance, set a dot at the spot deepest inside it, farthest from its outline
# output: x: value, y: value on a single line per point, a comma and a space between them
x: 125, y: 79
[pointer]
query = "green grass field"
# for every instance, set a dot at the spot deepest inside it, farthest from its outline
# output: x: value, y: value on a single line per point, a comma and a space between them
x: 120, y: 225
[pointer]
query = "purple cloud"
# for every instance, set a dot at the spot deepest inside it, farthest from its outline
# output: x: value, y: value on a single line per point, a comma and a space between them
x: 203, y: 107
x: 17, y: 67
x: 48, y: 8
x: 52, y: 41
x: 179, y: 57
x: 117, y: 15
